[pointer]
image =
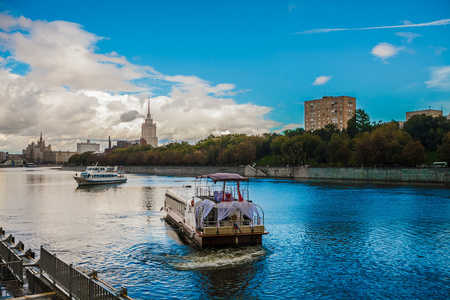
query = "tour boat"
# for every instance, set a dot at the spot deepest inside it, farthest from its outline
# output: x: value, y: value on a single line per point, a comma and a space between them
x: 100, y: 175
x: 218, y: 212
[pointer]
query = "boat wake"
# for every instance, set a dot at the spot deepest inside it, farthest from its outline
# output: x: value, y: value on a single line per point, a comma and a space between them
x: 220, y: 258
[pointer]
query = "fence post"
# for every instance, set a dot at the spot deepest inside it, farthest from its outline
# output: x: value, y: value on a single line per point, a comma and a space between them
x: 54, y: 269
x: 70, y: 280
x: 91, y: 288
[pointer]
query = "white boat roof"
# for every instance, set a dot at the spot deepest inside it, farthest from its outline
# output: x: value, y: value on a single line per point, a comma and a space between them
x: 180, y: 195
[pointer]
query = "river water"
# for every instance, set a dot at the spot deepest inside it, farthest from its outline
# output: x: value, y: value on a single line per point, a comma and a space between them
x: 326, y: 241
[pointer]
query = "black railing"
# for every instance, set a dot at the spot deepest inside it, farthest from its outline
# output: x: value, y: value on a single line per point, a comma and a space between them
x: 10, y: 260
x: 78, y: 283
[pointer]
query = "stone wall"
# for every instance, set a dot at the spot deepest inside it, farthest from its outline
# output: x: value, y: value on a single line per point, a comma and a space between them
x: 410, y: 175
x: 168, y: 170
x: 413, y: 175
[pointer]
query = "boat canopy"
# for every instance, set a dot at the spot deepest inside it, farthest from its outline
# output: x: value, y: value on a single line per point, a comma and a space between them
x: 224, y: 177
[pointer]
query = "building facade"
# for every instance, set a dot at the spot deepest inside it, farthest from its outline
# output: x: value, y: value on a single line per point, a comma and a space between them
x: 88, y: 147
x: 35, y: 152
x: 428, y: 112
x: 329, y: 110
x: 39, y: 153
x: 148, y: 132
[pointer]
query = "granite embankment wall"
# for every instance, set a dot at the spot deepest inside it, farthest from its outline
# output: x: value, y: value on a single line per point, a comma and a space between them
x: 410, y: 175
x: 167, y: 170
x: 407, y: 175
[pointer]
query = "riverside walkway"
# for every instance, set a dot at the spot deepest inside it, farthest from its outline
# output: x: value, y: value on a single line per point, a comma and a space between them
x: 48, y: 277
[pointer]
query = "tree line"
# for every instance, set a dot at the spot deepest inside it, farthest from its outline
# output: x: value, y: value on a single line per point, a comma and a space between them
x: 362, y: 143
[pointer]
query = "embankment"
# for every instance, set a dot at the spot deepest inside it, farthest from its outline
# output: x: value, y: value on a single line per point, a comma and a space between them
x: 170, y: 170
x: 392, y: 175
x: 406, y: 175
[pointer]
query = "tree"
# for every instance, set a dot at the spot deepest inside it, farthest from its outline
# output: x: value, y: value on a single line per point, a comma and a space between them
x: 414, y: 153
x: 245, y: 153
x: 337, y: 151
x: 326, y: 132
x: 358, y: 123
x: 379, y: 146
x: 363, y: 149
x: 428, y: 130
x: 310, y: 143
x: 321, y: 153
x: 293, y: 132
x: 444, y: 149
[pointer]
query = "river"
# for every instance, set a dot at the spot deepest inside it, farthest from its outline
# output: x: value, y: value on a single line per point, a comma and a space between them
x: 326, y: 241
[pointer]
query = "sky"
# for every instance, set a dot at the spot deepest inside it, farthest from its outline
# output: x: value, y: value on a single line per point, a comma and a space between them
x: 77, y: 70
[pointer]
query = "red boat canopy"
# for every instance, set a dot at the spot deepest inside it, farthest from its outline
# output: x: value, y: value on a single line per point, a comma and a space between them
x: 224, y: 177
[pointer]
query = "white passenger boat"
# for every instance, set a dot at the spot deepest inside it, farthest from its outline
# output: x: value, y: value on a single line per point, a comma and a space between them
x: 216, y: 215
x: 100, y: 175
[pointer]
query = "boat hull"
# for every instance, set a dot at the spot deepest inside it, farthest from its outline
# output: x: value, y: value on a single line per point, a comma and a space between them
x: 87, y: 181
x: 218, y: 240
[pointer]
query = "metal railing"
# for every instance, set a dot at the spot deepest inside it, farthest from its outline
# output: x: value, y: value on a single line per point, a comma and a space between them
x: 208, y: 191
x: 78, y: 283
x: 11, y: 261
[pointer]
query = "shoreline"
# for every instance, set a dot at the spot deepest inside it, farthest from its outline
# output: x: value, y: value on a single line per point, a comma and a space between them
x: 383, y: 175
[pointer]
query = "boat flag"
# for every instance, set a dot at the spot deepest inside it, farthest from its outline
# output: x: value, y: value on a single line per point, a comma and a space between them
x: 235, y: 226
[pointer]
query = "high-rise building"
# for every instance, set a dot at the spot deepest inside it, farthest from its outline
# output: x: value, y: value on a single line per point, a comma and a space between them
x: 329, y: 110
x: 149, y: 131
x: 428, y: 112
x: 39, y: 153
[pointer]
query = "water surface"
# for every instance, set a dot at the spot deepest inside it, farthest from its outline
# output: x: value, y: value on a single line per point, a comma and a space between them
x: 326, y: 241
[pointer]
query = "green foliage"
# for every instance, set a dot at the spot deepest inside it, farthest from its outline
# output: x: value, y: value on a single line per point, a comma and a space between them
x: 269, y: 159
x: 428, y: 130
x: 358, y: 123
x: 414, y: 153
x: 84, y: 159
x: 444, y: 149
x: 363, y: 143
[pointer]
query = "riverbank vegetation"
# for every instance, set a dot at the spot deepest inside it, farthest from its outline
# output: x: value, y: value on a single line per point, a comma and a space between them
x: 422, y: 140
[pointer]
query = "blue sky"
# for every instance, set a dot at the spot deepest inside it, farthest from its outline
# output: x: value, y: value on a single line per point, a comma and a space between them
x: 212, y: 67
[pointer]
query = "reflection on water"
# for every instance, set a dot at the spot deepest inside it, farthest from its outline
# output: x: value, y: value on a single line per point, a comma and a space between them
x: 326, y: 240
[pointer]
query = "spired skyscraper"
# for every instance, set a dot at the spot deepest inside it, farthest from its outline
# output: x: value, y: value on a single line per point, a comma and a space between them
x: 149, y: 131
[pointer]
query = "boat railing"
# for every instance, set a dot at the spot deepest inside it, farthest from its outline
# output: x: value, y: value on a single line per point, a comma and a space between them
x: 216, y: 193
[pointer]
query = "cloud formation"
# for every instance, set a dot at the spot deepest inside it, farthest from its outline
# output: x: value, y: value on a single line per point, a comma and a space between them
x: 409, y: 36
x: 321, y: 80
x: 71, y: 92
x: 406, y: 25
x: 385, y: 51
x: 440, y: 78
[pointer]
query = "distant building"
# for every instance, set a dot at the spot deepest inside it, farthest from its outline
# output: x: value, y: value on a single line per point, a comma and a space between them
x: 428, y: 112
x: 329, y: 110
x: 3, y: 156
x: 39, y: 153
x: 88, y: 147
x: 148, y: 135
x: 122, y: 144
x: 35, y: 151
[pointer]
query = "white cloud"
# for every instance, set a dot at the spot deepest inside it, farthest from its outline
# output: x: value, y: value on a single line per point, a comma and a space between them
x: 321, y: 80
x: 385, y: 51
x: 409, y: 36
x: 440, y: 78
x: 439, y: 50
x: 72, y: 92
x: 406, y: 24
x: 63, y: 54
